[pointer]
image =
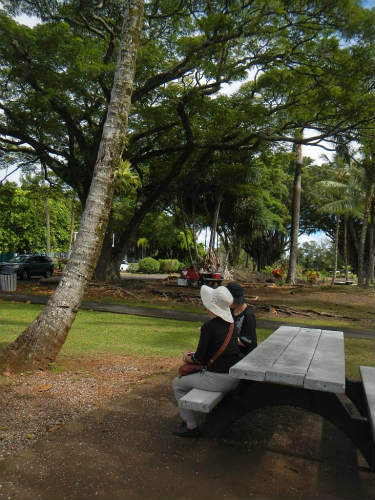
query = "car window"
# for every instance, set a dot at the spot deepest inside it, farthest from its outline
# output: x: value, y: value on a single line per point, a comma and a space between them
x: 19, y: 258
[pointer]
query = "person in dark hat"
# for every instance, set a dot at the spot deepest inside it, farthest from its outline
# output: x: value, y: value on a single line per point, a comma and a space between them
x: 244, y: 320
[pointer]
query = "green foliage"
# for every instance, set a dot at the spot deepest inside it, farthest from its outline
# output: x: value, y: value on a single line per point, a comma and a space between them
x: 133, y: 267
x: 55, y: 86
x: 23, y: 220
x: 316, y: 256
x: 61, y: 264
x: 169, y: 265
x: 148, y: 265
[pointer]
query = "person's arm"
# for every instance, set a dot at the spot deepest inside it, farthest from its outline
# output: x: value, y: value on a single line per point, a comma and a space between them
x: 200, y: 355
x: 247, y: 336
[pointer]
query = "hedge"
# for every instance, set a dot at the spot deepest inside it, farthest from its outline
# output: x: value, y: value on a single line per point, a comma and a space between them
x: 169, y: 265
x: 148, y: 265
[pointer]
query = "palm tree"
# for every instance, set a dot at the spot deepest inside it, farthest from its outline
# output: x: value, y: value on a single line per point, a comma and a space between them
x: 346, y: 199
x: 40, y: 343
x: 143, y: 243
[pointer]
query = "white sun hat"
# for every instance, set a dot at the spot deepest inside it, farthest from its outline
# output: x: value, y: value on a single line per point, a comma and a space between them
x: 217, y: 300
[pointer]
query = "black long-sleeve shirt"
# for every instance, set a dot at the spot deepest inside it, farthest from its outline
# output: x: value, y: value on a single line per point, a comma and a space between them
x: 213, y: 334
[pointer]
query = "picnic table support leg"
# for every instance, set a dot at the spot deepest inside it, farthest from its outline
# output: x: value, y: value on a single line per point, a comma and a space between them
x: 357, y: 428
x: 355, y: 392
x: 254, y: 395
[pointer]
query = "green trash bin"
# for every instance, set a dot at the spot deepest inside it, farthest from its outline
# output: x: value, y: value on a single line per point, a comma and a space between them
x: 8, y: 281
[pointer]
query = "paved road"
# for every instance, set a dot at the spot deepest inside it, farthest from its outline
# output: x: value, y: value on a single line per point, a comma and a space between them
x: 172, y: 314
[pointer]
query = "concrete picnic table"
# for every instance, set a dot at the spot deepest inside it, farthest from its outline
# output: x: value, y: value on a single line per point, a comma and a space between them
x: 302, y: 367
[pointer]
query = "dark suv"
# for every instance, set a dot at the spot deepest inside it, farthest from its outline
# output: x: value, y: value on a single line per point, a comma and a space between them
x: 27, y: 265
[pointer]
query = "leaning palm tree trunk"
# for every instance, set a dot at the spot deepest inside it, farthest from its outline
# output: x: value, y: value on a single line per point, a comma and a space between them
x: 40, y: 343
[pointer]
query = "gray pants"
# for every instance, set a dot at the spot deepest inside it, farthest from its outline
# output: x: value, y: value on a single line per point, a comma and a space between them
x: 207, y: 381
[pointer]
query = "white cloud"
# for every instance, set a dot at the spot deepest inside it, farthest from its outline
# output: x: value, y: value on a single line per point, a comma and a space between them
x: 319, y: 237
x: 30, y: 21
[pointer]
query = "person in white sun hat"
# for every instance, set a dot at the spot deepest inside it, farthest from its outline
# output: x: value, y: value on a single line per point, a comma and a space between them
x: 217, y: 351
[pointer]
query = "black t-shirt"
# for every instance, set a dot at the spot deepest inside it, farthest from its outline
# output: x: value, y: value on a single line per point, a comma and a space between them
x: 245, y: 330
x: 213, y: 334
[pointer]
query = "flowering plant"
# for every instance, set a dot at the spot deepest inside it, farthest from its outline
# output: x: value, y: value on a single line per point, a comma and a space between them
x: 277, y: 272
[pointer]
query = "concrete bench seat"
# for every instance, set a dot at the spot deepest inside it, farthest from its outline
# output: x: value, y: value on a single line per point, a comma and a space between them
x: 368, y: 380
x: 199, y: 400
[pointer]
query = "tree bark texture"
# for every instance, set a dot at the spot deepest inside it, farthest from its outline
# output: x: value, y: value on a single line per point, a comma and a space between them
x: 371, y: 246
x: 215, y: 218
x: 185, y: 225
x: 40, y: 343
x: 296, y: 205
x: 336, y: 251
x: 194, y: 234
x: 71, y: 232
x: 346, y: 253
x: 48, y: 230
x: 362, y: 241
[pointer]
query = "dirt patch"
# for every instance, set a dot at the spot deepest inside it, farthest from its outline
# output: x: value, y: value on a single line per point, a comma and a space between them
x: 125, y: 450
x: 33, y: 405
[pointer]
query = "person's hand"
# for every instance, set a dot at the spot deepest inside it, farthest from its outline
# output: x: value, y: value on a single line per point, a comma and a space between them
x: 187, y: 358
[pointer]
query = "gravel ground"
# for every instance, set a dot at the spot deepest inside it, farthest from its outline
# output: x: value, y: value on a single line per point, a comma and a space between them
x: 33, y: 405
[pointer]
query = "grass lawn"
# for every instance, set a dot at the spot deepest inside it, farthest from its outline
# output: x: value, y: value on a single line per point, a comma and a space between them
x: 98, y: 333
x: 333, y: 324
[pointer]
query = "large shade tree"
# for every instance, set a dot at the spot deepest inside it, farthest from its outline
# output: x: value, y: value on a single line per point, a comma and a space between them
x: 40, y: 343
x: 60, y: 74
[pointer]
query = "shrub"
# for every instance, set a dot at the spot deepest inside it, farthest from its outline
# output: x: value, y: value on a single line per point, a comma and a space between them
x: 61, y: 263
x: 312, y: 276
x: 133, y: 267
x: 148, y: 265
x: 169, y: 265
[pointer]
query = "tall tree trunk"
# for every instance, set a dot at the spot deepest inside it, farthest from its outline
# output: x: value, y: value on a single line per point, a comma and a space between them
x: 336, y: 251
x: 346, y: 256
x: 214, y: 223
x: 296, y: 204
x: 197, y: 258
x: 185, y: 225
x: 40, y: 343
x: 71, y: 232
x: 362, y: 240
x: 48, y: 229
x: 371, y: 246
